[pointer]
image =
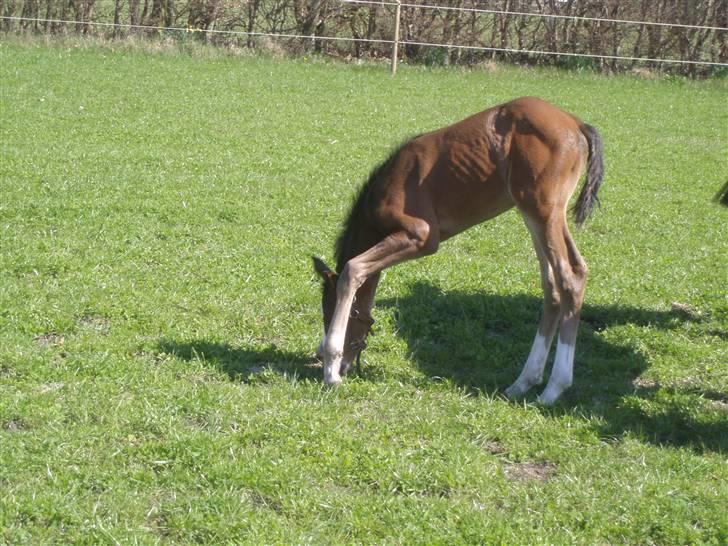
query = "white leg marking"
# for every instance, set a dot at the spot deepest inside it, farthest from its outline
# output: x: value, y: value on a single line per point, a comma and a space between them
x: 333, y: 354
x: 334, y: 347
x: 561, y: 375
x: 532, y: 372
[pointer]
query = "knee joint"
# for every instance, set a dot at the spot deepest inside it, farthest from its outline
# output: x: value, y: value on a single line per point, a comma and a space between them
x: 572, y: 282
x: 425, y: 239
x: 428, y: 246
x: 353, y: 275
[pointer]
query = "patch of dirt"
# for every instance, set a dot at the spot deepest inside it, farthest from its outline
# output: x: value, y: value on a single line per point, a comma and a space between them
x: 154, y: 358
x: 491, y: 445
x: 685, y: 309
x: 49, y: 339
x: 260, y: 500
x: 51, y: 387
x: 14, y: 425
x: 157, y: 520
x: 99, y: 324
x: 494, y: 447
x: 644, y: 383
x: 529, y: 471
x: 201, y: 422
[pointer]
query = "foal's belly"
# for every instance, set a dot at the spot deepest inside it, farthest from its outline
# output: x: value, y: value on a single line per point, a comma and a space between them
x: 460, y: 206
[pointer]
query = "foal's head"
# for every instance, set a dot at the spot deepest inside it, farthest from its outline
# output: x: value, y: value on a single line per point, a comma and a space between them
x: 359, y: 325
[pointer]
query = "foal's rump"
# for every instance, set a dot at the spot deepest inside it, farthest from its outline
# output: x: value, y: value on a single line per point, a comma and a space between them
x: 555, y: 147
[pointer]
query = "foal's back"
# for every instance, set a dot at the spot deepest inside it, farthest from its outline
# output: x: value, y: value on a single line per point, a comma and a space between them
x: 473, y: 170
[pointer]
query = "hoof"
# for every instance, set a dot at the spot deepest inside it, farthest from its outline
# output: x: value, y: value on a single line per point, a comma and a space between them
x: 514, y: 391
x: 545, y: 399
x: 331, y: 377
x: 552, y: 393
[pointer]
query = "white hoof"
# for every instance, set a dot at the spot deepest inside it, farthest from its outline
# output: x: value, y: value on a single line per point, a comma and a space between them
x: 546, y: 400
x: 514, y: 391
x: 331, y: 375
x: 550, y: 395
x: 520, y: 387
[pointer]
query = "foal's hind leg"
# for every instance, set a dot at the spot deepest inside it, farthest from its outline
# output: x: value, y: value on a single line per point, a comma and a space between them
x: 563, y: 278
x: 570, y: 273
x: 532, y: 373
x: 563, y: 286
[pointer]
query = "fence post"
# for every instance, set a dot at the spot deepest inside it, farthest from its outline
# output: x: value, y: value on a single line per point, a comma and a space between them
x: 395, y: 45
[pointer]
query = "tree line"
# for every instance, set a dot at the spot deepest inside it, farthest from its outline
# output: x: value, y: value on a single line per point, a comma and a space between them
x: 578, y: 27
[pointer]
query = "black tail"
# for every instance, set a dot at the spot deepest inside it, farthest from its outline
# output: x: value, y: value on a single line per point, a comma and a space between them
x: 594, y: 177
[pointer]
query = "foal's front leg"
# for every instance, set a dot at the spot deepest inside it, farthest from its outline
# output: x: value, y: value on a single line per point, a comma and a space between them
x: 393, y: 249
x: 333, y: 343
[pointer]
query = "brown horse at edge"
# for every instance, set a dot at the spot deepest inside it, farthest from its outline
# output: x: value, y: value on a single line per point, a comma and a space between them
x: 525, y: 153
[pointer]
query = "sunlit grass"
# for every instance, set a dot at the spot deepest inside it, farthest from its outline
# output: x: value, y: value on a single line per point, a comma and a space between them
x: 158, y: 314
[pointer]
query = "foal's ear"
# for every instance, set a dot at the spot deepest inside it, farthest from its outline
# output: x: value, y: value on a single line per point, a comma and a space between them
x: 324, y: 271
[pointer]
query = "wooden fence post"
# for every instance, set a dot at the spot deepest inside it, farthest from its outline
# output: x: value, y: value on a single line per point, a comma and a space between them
x: 395, y: 45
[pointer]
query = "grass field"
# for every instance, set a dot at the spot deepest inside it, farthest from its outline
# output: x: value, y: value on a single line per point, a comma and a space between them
x: 159, y: 314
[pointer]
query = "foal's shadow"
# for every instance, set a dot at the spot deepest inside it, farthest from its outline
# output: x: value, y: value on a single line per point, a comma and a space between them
x: 480, y: 341
x: 245, y: 364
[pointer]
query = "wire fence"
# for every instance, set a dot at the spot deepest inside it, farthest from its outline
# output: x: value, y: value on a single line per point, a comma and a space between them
x: 528, y: 14
x: 192, y: 30
x: 457, y: 33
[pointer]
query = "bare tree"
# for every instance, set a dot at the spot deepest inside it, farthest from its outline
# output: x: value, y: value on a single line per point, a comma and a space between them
x: 587, y: 26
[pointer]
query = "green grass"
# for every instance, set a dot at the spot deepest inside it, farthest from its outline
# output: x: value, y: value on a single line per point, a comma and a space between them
x: 158, y: 314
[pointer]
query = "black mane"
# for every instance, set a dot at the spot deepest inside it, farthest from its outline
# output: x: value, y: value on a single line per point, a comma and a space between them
x: 345, y: 243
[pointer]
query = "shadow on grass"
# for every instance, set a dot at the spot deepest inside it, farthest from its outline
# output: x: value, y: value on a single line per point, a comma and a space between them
x: 245, y: 364
x: 481, y: 340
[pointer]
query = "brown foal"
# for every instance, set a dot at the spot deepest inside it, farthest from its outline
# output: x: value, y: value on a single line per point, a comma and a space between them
x: 525, y: 153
